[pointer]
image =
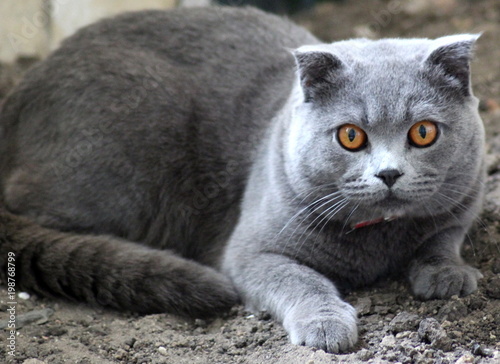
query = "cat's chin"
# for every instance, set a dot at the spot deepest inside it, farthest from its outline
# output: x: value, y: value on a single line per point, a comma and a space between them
x: 391, y: 207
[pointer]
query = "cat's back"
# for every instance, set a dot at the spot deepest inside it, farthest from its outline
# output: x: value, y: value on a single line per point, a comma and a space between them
x: 208, y: 64
x: 189, y: 36
x: 144, y: 108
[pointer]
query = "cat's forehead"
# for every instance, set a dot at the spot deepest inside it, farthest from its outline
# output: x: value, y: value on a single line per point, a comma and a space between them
x: 391, y: 79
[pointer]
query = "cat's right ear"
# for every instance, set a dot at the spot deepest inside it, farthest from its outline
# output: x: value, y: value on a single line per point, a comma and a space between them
x: 318, y: 73
x: 449, y: 60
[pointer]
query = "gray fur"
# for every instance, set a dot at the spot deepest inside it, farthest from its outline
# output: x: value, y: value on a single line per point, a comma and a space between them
x: 196, y: 131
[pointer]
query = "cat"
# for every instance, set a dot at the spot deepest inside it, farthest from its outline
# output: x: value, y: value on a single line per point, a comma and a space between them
x: 181, y: 161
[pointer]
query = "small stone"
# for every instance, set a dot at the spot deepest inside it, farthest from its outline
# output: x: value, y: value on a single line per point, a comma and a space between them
x: 163, y: 350
x: 383, y: 299
x: 455, y: 334
x: 24, y: 295
x: 404, y: 321
x: 382, y: 309
x: 403, y: 334
x: 478, y: 349
x: 130, y: 342
x: 56, y: 331
x: 453, y: 310
x: 33, y: 361
x: 37, y: 316
x: 241, y: 343
x: 363, y: 306
x: 430, y: 331
x: 493, y: 287
x: 476, y: 302
x: 264, y: 316
x: 364, y: 355
x: 495, y: 267
x: 429, y: 353
x: 388, y: 341
x: 465, y: 359
x: 120, y: 354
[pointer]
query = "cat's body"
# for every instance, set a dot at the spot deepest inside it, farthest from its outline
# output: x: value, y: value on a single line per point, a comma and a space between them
x: 188, y: 131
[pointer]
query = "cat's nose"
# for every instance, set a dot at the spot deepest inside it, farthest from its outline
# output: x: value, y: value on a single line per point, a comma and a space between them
x: 389, y: 176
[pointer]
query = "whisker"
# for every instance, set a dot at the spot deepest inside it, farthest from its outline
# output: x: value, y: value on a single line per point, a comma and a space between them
x: 464, y: 208
x: 349, y: 216
x: 327, y: 214
x: 432, y: 216
x: 481, y: 222
x: 297, y: 214
x: 326, y: 219
x: 311, y: 213
x: 310, y: 191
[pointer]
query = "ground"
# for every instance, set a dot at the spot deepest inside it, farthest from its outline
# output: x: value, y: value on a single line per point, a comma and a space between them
x: 394, y: 326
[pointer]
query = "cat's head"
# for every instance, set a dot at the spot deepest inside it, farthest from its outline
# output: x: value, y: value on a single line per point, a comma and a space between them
x: 389, y: 127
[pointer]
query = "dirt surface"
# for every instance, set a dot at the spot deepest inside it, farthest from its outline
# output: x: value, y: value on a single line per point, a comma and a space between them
x: 394, y: 326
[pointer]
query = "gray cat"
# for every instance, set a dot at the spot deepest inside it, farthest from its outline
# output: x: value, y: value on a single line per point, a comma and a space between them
x: 159, y: 158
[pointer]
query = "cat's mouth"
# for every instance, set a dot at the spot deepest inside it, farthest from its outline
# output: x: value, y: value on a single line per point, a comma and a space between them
x: 391, y: 200
x: 384, y: 204
x: 391, y: 206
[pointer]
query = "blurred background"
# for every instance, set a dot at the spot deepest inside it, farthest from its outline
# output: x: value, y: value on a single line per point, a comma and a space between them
x: 31, y: 29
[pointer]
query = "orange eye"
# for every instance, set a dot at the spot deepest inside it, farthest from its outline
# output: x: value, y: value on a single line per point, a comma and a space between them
x: 423, y: 134
x: 351, y: 137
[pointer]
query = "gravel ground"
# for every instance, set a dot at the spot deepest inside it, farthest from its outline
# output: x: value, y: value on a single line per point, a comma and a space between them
x: 394, y: 326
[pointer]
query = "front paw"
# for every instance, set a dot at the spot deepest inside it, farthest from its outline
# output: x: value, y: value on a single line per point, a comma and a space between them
x: 443, y: 281
x: 332, y: 329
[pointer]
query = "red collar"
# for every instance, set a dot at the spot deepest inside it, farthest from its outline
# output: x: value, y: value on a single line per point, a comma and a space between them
x: 363, y: 224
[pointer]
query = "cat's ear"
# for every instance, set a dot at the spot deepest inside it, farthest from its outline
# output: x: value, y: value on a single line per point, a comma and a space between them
x: 318, y: 72
x: 450, y: 56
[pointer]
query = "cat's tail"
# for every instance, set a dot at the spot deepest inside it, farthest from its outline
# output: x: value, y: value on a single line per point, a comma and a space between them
x: 107, y: 271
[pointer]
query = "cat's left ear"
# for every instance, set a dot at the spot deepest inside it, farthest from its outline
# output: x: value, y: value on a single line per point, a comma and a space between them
x: 450, y: 56
x: 318, y: 72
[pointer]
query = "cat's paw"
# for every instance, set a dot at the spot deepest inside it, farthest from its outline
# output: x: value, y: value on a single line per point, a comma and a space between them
x: 444, y: 281
x: 333, y: 329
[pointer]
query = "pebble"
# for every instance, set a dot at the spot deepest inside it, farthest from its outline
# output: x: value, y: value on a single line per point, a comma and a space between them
x: 130, y: 342
x: 363, y: 306
x: 456, y: 334
x: 33, y: 361
x: 493, y: 287
x: 120, y: 354
x: 403, y: 334
x: 453, y: 310
x: 465, y: 359
x: 430, y: 331
x: 264, y: 316
x: 478, y: 349
x: 37, y: 316
x: 388, y: 341
x: 163, y: 350
x: 24, y: 295
x: 364, y: 355
x: 495, y: 268
x: 404, y: 321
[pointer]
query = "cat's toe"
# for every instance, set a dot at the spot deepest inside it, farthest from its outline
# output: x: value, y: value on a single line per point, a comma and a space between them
x: 333, y: 331
x: 444, y: 281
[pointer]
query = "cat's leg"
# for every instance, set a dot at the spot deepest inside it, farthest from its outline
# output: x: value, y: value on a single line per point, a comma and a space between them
x: 438, y: 271
x: 307, y: 303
